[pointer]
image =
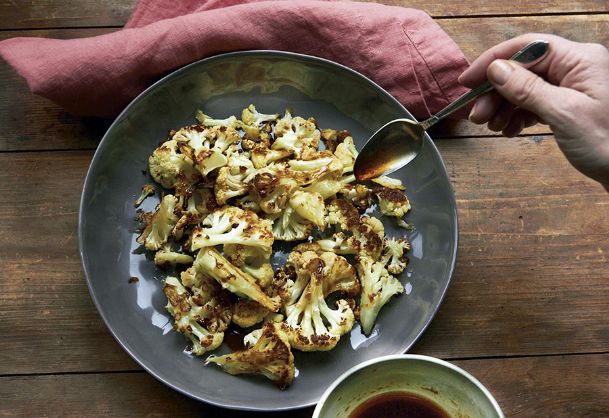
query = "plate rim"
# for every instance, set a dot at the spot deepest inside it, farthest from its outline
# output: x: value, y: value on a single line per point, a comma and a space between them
x: 176, y: 73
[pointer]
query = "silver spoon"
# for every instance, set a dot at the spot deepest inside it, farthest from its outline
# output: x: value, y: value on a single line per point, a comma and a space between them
x: 398, y: 142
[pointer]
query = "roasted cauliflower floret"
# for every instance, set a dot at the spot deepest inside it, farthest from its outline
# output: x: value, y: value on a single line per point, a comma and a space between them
x: 342, y: 214
x: 310, y: 206
x: 310, y: 323
x: 257, y: 127
x: 346, y: 153
x: 378, y: 286
x: 247, y: 202
x: 332, y: 138
x: 389, y: 182
x: 270, y: 356
x: 369, y: 234
x: 250, y: 116
x: 213, y: 264
x: 296, y: 134
x: 247, y: 313
x: 317, y: 166
x: 271, y: 188
x: 358, y: 194
x: 160, y: 224
x: 199, y: 203
x: 209, y: 294
x: 147, y: 190
x: 326, y: 186
x: 263, y: 156
x: 232, y: 180
x: 210, y: 145
x: 231, y: 225
x: 339, y: 275
x: 189, y: 316
x: 211, y: 297
x: 165, y: 256
x: 168, y: 166
x: 203, y: 119
x: 339, y: 243
x: 252, y: 260
x: 392, y: 202
x: 394, y: 255
x: 290, y: 226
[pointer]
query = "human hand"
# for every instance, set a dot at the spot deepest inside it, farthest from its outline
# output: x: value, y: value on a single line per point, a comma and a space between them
x: 568, y: 90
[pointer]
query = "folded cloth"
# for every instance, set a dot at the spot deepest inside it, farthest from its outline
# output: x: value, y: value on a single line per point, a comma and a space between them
x: 401, y: 49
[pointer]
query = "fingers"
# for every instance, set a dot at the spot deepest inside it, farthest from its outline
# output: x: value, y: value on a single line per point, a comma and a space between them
x: 502, y: 118
x: 502, y: 115
x: 476, y: 73
x: 514, y: 127
x: 485, y: 108
x: 527, y: 90
x: 520, y: 119
x: 530, y: 119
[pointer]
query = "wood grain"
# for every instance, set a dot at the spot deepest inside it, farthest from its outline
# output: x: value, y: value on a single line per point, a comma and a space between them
x: 444, y: 9
x: 45, y: 305
x: 484, y: 33
x: 554, y: 386
x: 526, y: 312
x: 23, y: 14
x: 534, y: 235
x: 531, y: 276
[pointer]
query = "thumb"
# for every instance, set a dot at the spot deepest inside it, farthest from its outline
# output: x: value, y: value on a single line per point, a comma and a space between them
x: 525, y: 89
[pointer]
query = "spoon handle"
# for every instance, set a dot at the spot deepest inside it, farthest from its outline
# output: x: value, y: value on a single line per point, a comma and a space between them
x: 530, y: 54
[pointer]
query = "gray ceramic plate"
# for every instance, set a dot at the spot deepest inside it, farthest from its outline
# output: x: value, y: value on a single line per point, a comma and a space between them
x: 221, y: 86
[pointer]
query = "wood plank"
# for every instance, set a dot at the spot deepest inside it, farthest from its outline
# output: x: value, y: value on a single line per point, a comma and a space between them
x: 481, y: 33
x: 49, y: 127
x: 533, y: 237
x: 515, y: 295
x: 553, y: 386
x: 22, y: 14
x: 44, y: 302
x: 444, y: 9
x: 109, y: 394
x: 536, y: 285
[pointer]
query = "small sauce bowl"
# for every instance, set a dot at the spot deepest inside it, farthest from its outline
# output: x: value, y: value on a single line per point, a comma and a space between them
x: 436, y: 382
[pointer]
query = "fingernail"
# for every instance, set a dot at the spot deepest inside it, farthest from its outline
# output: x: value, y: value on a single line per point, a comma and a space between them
x: 499, y: 72
x: 472, y: 114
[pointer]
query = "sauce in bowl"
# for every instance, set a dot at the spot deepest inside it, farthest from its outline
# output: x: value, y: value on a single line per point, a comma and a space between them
x: 398, y: 405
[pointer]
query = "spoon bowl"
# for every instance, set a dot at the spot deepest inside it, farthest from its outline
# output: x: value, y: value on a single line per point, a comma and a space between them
x: 395, y: 144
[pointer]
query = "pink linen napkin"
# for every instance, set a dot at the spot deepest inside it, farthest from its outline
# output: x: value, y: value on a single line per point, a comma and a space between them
x: 401, y: 49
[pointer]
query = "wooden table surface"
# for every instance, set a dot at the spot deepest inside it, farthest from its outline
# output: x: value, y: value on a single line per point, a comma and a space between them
x: 527, y: 311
